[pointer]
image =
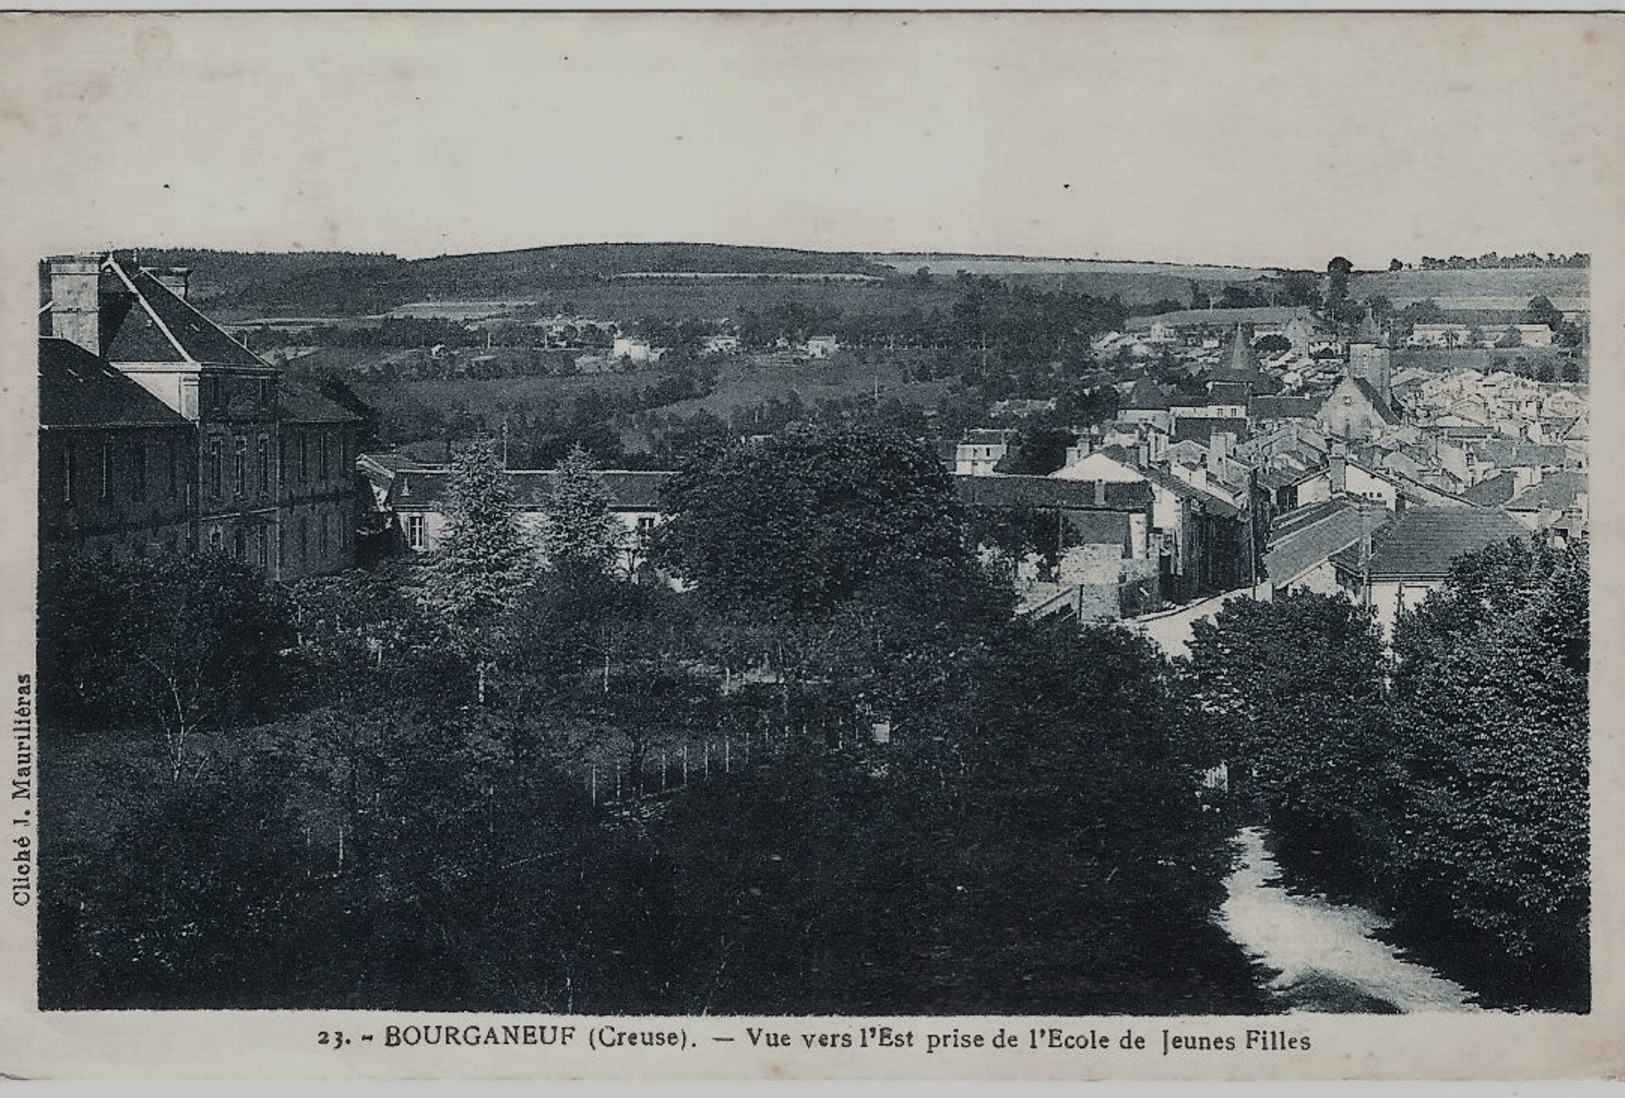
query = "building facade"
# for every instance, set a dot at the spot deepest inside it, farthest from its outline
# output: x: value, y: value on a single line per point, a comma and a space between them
x: 269, y: 466
x: 115, y: 463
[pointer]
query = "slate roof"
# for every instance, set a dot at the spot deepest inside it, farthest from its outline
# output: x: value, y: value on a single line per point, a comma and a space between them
x: 1284, y: 477
x: 1147, y: 395
x: 1492, y: 492
x: 1051, y: 493
x: 1283, y: 407
x: 1384, y: 411
x: 1557, y: 491
x: 1305, y: 538
x: 416, y: 489
x: 160, y: 326
x: 1421, y: 543
x: 1201, y: 429
x: 1210, y: 502
x: 1229, y: 392
x: 298, y: 402
x: 1506, y: 453
x: 77, y: 389
x: 1242, y: 361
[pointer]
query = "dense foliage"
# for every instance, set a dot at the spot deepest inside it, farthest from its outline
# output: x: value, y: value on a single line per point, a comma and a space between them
x: 1027, y: 836
x: 1447, y: 782
x: 796, y: 523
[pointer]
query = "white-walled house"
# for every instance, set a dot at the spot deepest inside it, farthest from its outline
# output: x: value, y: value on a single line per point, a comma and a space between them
x: 413, y: 499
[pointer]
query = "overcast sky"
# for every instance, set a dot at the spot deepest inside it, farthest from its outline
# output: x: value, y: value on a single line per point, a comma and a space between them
x: 1277, y: 140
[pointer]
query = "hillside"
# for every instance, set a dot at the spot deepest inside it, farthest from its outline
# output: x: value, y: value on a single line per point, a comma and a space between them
x: 947, y: 263
x: 588, y: 278
x: 239, y: 284
x: 1497, y: 288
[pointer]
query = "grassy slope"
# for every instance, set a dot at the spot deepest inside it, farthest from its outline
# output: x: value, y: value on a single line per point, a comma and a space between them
x: 1518, y: 283
x: 753, y: 379
x: 569, y: 277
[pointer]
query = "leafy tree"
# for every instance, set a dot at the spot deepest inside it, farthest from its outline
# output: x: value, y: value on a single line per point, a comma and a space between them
x: 580, y: 534
x: 1337, y: 282
x: 1273, y: 344
x: 486, y: 562
x: 800, y: 521
x: 1042, y: 850
x: 1396, y: 265
x: 1038, y: 451
x: 1294, y: 692
x: 1540, y: 310
x: 364, y: 640
x: 1492, y: 709
x: 184, y: 645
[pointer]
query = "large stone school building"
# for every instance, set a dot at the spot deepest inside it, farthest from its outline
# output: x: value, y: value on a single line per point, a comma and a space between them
x: 159, y: 433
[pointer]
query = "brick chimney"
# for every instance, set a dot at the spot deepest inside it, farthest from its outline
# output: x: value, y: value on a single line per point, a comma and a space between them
x: 174, y: 279
x: 1337, y: 466
x: 76, y: 310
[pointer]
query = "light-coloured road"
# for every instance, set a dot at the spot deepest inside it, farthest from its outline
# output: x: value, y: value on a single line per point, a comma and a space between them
x: 1325, y: 954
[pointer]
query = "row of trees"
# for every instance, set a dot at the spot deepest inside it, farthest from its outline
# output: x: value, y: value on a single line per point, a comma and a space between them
x: 1490, y: 261
x: 1446, y: 782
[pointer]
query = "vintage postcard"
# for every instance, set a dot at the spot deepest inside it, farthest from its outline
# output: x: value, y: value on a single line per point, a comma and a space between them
x: 823, y: 545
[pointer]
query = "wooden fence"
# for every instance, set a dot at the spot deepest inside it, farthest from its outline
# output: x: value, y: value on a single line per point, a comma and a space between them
x: 670, y: 769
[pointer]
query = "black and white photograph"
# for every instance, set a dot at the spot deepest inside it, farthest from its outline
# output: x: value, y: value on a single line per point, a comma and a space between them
x: 851, y: 517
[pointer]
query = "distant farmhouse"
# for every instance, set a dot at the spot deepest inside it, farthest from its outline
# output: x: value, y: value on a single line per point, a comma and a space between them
x: 820, y: 346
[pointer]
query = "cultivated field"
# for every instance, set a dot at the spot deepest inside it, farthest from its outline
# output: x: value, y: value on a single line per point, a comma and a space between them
x: 1486, y: 289
x: 753, y: 379
x: 996, y: 265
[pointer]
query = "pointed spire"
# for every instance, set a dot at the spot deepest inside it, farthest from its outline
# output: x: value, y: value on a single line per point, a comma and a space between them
x: 1369, y: 331
x: 1243, y: 362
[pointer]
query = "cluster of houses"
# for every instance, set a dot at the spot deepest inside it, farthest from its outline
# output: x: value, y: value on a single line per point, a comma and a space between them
x: 160, y: 433
x: 1370, y: 486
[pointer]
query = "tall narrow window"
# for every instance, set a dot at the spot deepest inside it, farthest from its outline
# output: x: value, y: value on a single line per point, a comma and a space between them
x: 282, y: 462
x: 344, y: 452
x: 239, y: 466
x: 321, y: 456
x: 304, y: 458
x: 265, y: 465
x: 214, y: 468
x: 67, y: 471
x: 138, y: 469
x: 304, y: 538
x: 107, y: 468
x: 262, y: 552
x: 239, y: 547
x: 321, y: 537
x: 172, y: 460
x: 414, y: 531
